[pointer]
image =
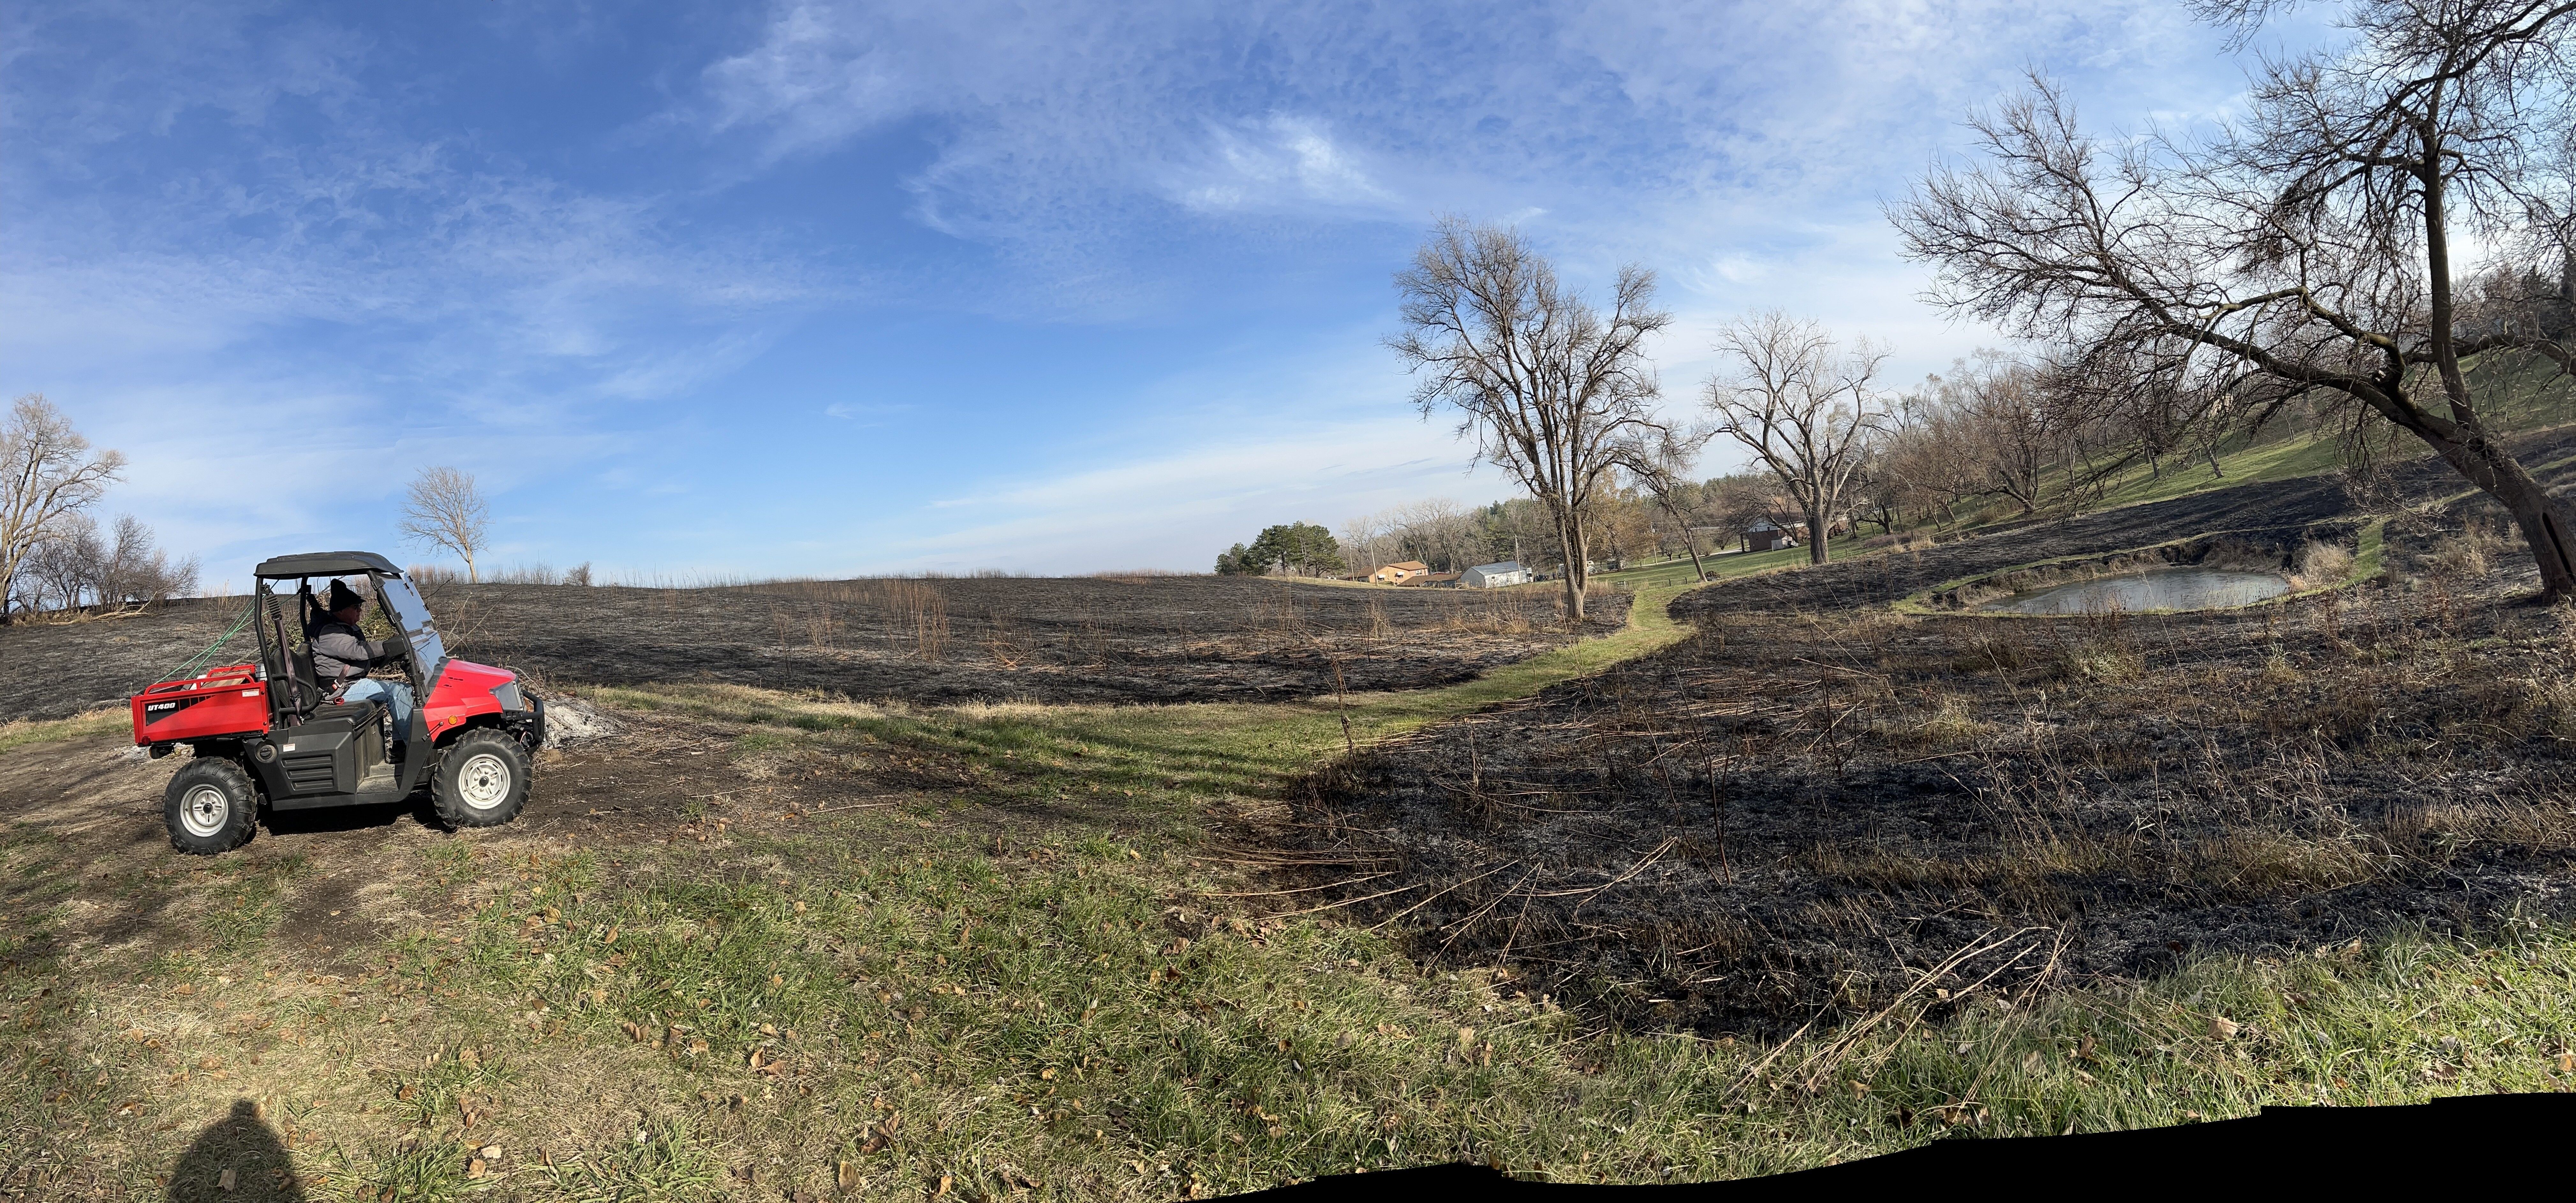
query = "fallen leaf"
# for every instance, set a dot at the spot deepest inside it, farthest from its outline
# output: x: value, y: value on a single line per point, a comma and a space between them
x: 490, y: 1152
x: 2222, y: 1027
x: 2567, y: 1063
x: 475, y: 1168
x: 847, y: 1174
x: 225, y: 1180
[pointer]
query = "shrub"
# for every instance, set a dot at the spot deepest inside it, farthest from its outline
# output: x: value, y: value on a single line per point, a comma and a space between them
x: 2322, y: 564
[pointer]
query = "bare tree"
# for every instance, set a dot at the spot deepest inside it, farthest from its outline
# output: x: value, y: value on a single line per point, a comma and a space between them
x: 1804, y: 406
x: 1557, y: 393
x: 2307, y: 252
x: 134, y: 568
x: 63, y: 567
x: 47, y: 476
x: 1662, y: 482
x: 444, y: 509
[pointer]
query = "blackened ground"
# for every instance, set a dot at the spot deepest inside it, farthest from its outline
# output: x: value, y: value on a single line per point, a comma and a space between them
x: 1815, y: 801
x: 1087, y: 639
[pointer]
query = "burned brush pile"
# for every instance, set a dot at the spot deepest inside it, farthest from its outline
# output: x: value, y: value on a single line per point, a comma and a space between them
x: 1794, y: 813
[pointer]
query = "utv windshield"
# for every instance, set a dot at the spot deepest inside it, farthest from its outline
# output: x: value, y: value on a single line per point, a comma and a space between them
x: 412, y: 615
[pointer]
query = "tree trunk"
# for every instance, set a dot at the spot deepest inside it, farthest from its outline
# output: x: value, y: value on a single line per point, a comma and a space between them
x: 1817, y: 536
x: 1569, y: 538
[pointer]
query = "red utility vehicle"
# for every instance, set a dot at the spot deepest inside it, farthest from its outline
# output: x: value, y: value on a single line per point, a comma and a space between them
x: 268, y: 733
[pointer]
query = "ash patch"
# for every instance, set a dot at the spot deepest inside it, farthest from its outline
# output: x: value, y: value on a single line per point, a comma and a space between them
x: 571, y: 722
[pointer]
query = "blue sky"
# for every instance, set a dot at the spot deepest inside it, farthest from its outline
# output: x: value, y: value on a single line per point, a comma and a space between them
x: 817, y: 288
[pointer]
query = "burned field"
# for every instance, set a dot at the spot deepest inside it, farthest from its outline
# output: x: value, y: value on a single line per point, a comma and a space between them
x: 931, y: 642
x: 1816, y: 804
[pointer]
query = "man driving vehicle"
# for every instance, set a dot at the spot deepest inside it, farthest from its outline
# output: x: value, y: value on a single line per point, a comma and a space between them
x: 342, y: 654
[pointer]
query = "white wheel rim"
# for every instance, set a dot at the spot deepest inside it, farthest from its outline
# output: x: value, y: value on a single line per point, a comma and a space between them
x: 483, y: 781
x: 204, y: 810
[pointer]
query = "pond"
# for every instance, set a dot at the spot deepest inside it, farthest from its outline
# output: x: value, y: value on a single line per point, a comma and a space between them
x: 2162, y: 589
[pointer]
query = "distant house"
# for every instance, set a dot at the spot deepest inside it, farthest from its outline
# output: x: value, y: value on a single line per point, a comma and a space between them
x: 1397, y: 574
x: 1765, y: 535
x: 1494, y: 576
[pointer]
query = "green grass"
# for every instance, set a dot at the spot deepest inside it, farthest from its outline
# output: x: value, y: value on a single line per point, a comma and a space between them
x: 2517, y: 395
x: 2282, y: 460
x: 23, y: 732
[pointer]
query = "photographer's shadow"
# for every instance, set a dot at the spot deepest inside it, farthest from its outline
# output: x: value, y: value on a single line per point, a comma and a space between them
x: 237, y: 1159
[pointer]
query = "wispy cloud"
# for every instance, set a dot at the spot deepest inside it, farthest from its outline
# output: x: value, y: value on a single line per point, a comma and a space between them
x: 628, y: 262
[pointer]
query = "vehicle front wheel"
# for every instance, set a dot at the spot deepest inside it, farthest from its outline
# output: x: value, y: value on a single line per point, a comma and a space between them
x: 211, y: 806
x: 482, y: 780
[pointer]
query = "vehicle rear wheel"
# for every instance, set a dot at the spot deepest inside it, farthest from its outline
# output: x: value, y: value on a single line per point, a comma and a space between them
x: 211, y: 806
x: 482, y: 780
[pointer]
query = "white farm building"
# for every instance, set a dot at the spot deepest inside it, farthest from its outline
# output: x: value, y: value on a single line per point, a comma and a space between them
x: 1495, y: 576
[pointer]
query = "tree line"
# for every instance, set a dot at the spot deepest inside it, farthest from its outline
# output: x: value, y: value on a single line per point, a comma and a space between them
x: 2306, y: 262
x: 53, y: 555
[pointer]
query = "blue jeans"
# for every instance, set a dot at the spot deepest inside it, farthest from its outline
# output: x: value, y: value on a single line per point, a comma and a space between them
x: 394, y: 694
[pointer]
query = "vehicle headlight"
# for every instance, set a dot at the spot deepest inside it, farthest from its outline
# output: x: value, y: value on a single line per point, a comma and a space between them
x: 508, y: 696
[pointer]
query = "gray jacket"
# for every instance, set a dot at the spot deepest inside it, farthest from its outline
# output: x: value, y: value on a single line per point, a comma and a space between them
x: 341, y: 652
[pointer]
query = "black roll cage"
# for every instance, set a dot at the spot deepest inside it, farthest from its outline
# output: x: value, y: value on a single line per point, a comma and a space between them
x: 295, y: 689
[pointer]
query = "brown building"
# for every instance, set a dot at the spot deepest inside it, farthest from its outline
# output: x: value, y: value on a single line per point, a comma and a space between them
x: 1763, y: 536
x: 1397, y: 574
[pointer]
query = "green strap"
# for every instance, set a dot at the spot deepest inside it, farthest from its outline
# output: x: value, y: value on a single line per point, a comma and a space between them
x: 202, y: 657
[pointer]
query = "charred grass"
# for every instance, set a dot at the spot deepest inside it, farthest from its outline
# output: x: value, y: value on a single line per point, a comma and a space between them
x: 926, y: 642
x: 1791, y: 819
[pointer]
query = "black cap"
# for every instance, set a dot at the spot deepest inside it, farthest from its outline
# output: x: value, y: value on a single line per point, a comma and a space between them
x: 342, y: 597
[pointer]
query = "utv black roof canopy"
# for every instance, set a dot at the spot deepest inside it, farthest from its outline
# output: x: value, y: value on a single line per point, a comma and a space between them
x: 326, y: 563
